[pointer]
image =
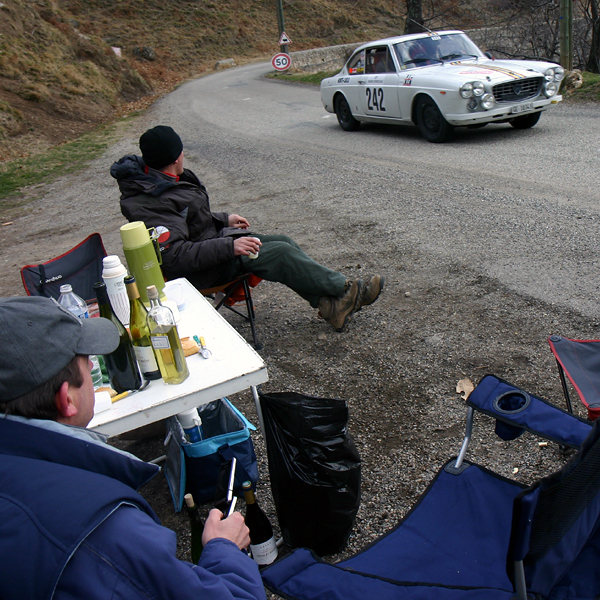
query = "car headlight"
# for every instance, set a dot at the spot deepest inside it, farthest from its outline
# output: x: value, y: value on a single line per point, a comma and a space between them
x: 488, y: 101
x: 550, y: 89
x: 549, y: 74
x: 472, y: 88
x: 559, y: 73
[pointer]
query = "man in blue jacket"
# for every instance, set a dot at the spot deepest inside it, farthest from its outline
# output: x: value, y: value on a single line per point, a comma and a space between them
x: 71, y: 522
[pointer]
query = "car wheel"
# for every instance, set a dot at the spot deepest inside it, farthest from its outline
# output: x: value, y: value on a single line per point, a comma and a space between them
x: 431, y: 123
x: 344, y: 114
x: 526, y: 121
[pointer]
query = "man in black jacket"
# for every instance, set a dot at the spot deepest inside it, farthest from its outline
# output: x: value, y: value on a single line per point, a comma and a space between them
x: 212, y: 248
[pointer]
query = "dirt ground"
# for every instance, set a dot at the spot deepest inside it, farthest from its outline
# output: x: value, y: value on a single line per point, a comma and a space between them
x: 396, y: 364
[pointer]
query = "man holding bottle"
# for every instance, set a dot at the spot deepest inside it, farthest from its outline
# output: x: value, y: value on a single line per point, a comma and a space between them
x: 71, y: 523
x: 214, y: 248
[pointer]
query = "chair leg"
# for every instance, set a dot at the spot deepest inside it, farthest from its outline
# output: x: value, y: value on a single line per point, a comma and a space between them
x: 243, y: 281
x: 563, y: 381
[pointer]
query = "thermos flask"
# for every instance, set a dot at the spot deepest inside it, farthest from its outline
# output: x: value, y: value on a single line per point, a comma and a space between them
x: 143, y: 258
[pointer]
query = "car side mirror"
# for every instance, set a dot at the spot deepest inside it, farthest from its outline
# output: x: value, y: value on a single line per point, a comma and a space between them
x: 489, y: 55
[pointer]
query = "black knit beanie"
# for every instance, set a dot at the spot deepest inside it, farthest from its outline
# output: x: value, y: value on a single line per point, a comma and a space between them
x: 160, y: 146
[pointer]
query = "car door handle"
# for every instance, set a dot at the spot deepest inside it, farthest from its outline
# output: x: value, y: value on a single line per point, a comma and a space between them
x: 361, y: 81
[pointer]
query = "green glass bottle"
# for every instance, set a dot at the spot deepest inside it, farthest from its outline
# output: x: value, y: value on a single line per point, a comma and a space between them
x: 165, y: 340
x: 196, y: 527
x: 121, y: 365
x: 140, y: 334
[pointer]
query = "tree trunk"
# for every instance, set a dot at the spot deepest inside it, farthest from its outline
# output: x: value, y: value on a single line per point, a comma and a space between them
x: 414, y: 16
x: 593, y: 62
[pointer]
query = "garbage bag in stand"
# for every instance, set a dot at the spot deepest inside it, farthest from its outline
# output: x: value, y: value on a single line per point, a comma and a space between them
x: 314, y: 469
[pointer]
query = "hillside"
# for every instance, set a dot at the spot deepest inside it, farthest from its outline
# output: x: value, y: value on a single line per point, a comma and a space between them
x: 60, y: 75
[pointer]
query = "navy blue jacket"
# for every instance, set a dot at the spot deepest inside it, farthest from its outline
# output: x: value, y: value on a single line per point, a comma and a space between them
x: 73, y: 526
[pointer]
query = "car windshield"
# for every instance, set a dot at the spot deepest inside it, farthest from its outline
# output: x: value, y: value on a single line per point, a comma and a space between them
x: 436, y: 49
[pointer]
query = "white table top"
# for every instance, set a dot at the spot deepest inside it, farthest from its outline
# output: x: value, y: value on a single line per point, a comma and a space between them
x: 233, y: 367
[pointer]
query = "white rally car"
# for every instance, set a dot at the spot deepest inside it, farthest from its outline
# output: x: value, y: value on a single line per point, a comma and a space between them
x: 438, y: 81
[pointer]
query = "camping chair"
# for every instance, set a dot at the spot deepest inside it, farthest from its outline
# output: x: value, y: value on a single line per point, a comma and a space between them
x: 580, y: 361
x: 81, y: 267
x: 235, y: 291
x: 474, y: 535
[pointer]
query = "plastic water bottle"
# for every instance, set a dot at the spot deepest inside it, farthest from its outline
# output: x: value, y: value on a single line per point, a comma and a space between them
x: 192, y: 424
x: 73, y: 303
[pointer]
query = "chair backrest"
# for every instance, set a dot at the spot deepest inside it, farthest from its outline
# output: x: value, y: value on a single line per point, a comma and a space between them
x: 555, y: 526
x: 81, y: 267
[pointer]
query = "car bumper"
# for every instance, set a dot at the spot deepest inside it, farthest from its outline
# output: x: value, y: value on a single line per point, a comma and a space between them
x: 499, y: 113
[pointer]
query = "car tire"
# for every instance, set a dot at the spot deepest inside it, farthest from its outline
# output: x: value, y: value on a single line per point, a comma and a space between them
x: 434, y: 128
x: 344, y: 114
x: 526, y: 121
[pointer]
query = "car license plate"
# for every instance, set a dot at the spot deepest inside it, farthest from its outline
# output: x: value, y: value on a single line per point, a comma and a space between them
x: 522, y: 107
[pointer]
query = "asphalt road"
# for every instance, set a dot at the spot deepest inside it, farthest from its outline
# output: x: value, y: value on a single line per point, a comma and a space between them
x: 518, y: 206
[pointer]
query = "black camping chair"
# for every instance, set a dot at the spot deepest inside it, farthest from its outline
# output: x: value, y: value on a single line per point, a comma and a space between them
x: 579, y: 360
x: 81, y: 267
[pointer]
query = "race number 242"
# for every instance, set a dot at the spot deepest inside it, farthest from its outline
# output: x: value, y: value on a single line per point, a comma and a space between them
x: 375, y: 99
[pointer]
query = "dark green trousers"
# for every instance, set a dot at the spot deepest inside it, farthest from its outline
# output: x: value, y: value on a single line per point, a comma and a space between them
x: 280, y: 259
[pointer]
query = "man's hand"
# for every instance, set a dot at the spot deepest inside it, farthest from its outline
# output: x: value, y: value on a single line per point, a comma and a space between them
x: 239, y: 222
x: 243, y: 246
x: 232, y: 528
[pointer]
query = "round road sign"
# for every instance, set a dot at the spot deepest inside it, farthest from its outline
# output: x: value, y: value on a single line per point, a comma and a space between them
x: 281, y: 61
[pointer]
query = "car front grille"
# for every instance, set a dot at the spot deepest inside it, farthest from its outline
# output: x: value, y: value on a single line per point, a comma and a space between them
x: 515, y: 91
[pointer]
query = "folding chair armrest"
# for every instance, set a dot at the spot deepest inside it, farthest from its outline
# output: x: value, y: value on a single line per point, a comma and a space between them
x: 517, y: 411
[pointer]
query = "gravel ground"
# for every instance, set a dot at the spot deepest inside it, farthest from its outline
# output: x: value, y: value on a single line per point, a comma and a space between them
x: 396, y: 364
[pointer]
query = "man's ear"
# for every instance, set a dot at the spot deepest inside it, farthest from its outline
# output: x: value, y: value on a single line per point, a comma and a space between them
x: 64, y: 403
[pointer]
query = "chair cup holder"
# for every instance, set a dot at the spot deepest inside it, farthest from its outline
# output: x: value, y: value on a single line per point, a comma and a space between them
x: 510, y: 403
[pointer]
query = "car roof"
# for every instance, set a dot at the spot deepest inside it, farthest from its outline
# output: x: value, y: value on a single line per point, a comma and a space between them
x: 407, y: 37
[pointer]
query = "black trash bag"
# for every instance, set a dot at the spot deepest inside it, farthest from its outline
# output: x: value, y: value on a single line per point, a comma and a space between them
x: 314, y: 469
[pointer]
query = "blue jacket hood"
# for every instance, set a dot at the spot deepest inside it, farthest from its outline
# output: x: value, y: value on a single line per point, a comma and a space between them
x: 130, y: 173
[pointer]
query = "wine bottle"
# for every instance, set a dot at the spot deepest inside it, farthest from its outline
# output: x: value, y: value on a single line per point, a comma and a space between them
x: 165, y: 340
x: 196, y: 527
x: 140, y: 334
x: 262, y: 541
x: 121, y: 365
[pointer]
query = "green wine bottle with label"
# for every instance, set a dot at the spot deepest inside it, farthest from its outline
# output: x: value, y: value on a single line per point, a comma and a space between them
x: 165, y: 340
x: 262, y: 540
x: 140, y: 334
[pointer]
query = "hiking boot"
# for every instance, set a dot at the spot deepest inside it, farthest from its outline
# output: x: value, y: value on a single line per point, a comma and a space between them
x: 337, y: 311
x: 370, y: 291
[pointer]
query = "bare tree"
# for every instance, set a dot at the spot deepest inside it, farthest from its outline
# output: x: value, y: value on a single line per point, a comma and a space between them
x: 414, y: 16
x: 593, y: 61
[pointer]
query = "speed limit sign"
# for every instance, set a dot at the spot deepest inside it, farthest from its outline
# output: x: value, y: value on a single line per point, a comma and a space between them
x: 281, y: 61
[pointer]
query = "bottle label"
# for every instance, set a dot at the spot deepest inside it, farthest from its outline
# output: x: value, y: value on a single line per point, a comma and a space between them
x: 265, y: 553
x: 146, y: 359
x: 161, y: 342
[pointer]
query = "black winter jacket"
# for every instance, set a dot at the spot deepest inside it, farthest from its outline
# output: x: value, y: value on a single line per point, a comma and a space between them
x: 198, y: 241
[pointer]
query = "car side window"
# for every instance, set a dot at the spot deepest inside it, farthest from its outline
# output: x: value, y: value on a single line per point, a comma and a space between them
x: 356, y: 65
x: 378, y: 60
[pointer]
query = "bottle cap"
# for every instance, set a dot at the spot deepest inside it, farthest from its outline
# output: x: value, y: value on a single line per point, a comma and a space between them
x: 112, y: 267
x: 152, y: 292
x: 66, y: 288
x: 134, y: 235
x: 189, y: 500
x: 247, y: 485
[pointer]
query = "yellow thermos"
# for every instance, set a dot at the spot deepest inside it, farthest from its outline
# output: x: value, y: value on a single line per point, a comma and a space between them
x: 142, y: 253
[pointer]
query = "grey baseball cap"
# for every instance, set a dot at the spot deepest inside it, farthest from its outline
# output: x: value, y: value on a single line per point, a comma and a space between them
x: 38, y: 338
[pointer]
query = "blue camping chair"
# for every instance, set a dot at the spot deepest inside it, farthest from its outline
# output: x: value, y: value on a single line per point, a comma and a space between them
x: 475, y: 535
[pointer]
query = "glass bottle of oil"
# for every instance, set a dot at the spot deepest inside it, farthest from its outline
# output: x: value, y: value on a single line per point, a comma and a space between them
x: 165, y: 340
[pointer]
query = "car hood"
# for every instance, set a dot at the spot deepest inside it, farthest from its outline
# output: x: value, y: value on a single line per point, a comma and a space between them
x: 494, y: 71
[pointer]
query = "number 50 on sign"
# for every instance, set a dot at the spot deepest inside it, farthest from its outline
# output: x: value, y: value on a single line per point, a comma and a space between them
x: 281, y: 61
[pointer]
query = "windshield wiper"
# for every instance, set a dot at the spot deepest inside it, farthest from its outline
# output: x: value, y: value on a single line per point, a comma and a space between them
x: 457, y: 55
x: 422, y: 60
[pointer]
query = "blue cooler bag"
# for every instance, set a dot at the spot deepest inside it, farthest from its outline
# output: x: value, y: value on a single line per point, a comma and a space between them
x: 194, y: 467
